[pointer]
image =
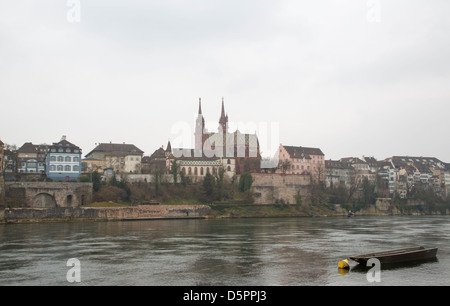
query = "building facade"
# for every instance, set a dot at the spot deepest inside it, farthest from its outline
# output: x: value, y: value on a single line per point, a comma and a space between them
x: 63, y: 161
x: 339, y: 173
x: 302, y: 160
x: 122, y: 158
x: 31, y: 158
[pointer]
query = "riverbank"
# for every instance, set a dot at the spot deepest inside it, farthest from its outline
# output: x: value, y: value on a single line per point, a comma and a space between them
x: 119, y: 212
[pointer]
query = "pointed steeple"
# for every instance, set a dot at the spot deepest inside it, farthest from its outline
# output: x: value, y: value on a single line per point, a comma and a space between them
x: 199, y: 106
x: 169, y: 147
x: 222, y: 115
x: 223, y: 121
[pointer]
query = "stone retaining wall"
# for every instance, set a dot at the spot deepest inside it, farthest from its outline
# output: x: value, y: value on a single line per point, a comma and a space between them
x: 140, y: 212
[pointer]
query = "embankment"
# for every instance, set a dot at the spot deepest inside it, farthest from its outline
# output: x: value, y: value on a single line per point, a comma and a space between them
x: 140, y: 212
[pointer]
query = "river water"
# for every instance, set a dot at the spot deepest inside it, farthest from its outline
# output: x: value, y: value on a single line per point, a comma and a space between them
x: 234, y: 252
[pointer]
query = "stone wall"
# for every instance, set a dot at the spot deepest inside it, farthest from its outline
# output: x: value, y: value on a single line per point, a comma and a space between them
x: 269, y: 188
x: 140, y: 212
x: 47, y: 194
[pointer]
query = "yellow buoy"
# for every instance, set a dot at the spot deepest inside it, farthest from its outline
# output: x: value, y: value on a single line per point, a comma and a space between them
x: 343, y: 264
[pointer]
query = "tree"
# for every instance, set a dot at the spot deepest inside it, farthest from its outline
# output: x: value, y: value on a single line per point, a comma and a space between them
x: 174, y: 169
x: 96, y: 179
x: 368, y: 195
x: 284, y: 165
x: 208, y: 185
x: 219, y: 183
x: 245, y: 182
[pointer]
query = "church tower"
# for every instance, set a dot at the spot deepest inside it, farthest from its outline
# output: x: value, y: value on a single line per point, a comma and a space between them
x: 223, y: 121
x: 199, y: 130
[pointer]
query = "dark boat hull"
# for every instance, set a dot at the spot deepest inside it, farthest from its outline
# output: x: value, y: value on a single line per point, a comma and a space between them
x: 398, y: 256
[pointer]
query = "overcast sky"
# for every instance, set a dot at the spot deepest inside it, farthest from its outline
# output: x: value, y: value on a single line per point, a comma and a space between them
x: 355, y: 77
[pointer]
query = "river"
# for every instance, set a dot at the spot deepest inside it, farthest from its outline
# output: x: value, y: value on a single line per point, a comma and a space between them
x: 231, y: 252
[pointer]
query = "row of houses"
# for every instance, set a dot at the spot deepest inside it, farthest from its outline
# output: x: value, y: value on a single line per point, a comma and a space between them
x: 62, y: 161
x: 233, y: 153
x: 392, y: 176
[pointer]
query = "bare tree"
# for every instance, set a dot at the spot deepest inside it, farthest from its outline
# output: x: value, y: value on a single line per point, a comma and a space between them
x: 284, y: 165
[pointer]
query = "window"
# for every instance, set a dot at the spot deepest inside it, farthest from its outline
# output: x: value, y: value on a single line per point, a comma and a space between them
x: 67, y: 168
x: 189, y: 171
x: 201, y: 171
x: 60, y: 150
x: 68, y: 159
x: 53, y: 158
x: 60, y: 168
x: 195, y: 171
x: 75, y: 159
x: 75, y: 168
x: 60, y: 158
x: 52, y: 168
x: 68, y: 150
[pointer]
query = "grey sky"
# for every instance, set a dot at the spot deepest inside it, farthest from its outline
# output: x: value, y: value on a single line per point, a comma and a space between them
x: 329, y: 73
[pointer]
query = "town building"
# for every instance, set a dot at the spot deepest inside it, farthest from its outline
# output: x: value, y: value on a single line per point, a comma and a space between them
x: 31, y: 158
x: 89, y: 165
x: 63, y: 161
x: 123, y: 158
x: 302, y: 160
x: 339, y: 173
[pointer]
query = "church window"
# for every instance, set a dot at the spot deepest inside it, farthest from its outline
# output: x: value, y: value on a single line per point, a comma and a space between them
x: 195, y: 171
x: 189, y: 171
x: 207, y: 170
x: 201, y: 171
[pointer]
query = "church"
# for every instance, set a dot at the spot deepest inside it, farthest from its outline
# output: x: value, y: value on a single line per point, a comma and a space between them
x: 235, y: 152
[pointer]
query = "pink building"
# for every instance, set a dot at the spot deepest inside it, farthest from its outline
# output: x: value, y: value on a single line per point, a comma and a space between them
x: 302, y: 160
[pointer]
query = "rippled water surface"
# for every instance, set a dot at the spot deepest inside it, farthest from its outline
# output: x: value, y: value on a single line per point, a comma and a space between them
x: 278, y: 251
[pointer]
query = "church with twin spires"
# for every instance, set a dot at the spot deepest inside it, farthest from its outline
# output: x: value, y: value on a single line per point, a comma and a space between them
x: 235, y: 152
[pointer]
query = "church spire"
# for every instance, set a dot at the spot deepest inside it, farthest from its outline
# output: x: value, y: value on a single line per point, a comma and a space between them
x: 223, y: 110
x: 223, y: 121
x: 199, y: 106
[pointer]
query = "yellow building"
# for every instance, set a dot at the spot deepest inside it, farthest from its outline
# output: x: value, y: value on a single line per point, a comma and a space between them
x: 123, y: 158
